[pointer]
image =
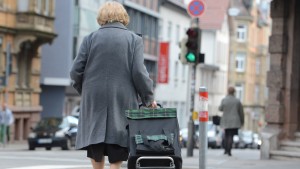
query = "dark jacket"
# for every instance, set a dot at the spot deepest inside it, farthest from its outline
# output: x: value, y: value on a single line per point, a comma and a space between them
x: 109, y: 73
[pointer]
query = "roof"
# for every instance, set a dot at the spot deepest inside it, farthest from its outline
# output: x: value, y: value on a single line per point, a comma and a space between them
x: 176, y: 3
x: 214, y: 14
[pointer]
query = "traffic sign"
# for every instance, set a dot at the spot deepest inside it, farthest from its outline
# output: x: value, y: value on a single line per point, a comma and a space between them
x: 196, y: 8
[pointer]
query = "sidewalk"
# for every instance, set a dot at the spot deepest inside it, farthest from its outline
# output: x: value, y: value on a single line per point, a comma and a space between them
x: 241, y: 158
x: 246, y: 159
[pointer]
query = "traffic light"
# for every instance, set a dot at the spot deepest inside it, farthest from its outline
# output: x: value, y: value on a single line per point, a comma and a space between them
x: 183, y: 51
x: 201, y: 58
x: 192, y: 45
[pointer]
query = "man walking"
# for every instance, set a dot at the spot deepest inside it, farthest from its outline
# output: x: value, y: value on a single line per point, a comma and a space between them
x: 6, y: 120
x: 232, y: 119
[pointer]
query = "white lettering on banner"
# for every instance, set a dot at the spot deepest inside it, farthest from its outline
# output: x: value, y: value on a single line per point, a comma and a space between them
x: 162, y: 70
x: 163, y: 63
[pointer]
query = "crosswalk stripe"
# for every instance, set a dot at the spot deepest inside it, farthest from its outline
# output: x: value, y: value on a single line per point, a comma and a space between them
x: 53, y: 167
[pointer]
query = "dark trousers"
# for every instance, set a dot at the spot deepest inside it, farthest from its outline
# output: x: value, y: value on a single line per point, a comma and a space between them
x: 229, y: 133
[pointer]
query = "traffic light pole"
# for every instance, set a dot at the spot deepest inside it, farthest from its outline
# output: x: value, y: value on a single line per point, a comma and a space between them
x: 191, y: 127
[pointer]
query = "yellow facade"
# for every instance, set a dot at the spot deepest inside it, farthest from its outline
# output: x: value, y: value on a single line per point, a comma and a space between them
x: 249, y: 64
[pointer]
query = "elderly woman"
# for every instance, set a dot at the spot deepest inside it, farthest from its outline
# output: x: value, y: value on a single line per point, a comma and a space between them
x: 109, y: 74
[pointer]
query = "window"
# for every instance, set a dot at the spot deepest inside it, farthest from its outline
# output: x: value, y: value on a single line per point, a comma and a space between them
x: 146, y: 27
x: 38, y: 6
x: 257, y: 66
x: 239, y: 91
x: 47, y: 5
x: 24, y: 65
x: 240, y: 62
x: 232, y: 62
x: 170, y: 31
x: 177, y: 33
x: 22, y: 5
x: 160, y: 29
x: 183, y: 71
x: 138, y: 22
x: 241, y: 33
x: 87, y: 23
x: 256, y: 94
x: 176, y: 73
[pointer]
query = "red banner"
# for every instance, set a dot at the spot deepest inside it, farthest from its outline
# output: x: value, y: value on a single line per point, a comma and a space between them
x: 163, y: 63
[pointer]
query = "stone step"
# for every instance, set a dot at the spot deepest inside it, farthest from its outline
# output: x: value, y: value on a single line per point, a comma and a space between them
x: 284, y: 155
x: 290, y: 146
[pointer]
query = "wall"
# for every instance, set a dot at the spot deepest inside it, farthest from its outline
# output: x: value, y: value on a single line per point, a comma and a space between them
x: 174, y: 93
x: 57, y: 57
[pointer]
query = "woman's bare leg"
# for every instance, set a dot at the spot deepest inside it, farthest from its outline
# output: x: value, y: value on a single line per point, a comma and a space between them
x: 116, y: 165
x: 98, y: 165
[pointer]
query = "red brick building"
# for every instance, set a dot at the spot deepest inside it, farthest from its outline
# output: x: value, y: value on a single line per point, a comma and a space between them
x: 26, y: 25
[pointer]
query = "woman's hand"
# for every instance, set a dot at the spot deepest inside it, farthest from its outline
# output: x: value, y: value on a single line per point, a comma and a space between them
x: 153, y: 104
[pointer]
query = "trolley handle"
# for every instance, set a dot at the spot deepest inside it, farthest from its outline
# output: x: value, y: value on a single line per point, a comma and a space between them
x: 172, y: 165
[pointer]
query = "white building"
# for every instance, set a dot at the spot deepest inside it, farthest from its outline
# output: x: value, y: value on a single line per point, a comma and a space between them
x: 173, y: 92
x: 213, y: 74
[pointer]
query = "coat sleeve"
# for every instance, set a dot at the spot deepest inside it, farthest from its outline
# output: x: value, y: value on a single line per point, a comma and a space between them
x: 78, y: 66
x: 241, y: 113
x: 140, y: 76
x: 221, y: 107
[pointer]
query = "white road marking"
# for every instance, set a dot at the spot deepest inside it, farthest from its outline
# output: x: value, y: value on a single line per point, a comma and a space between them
x: 221, y: 162
x: 44, y: 159
x: 52, y: 167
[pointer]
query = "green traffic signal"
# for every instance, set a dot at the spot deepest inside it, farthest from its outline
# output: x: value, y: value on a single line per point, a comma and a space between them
x: 190, y: 57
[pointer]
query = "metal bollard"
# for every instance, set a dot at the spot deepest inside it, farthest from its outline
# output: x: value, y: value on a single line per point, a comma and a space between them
x: 203, y: 118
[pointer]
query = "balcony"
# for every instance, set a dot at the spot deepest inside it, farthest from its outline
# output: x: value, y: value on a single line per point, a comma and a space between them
x: 38, y: 25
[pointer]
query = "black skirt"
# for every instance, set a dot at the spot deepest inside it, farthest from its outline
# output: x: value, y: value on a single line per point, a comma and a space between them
x: 114, y: 152
x: 231, y: 132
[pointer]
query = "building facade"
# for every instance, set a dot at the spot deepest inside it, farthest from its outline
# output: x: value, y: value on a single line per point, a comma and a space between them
x: 144, y: 18
x: 282, y: 111
x: 249, y: 59
x: 26, y: 25
x: 172, y: 92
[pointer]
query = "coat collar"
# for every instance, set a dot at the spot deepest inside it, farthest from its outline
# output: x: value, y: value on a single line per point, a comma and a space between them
x: 114, y: 25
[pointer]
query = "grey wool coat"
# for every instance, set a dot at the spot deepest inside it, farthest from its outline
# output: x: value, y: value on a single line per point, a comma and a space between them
x: 233, y: 113
x: 109, y: 74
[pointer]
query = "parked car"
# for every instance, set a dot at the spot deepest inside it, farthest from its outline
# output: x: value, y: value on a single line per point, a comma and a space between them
x: 257, y: 141
x: 54, y: 132
x: 183, y: 137
x: 75, y: 111
x: 246, y: 139
x: 214, y: 136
